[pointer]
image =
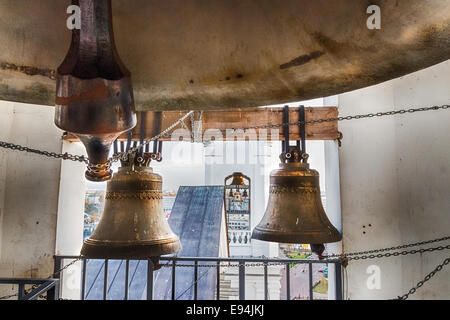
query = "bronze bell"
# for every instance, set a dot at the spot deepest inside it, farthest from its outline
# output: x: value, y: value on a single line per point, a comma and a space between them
x: 237, y: 197
x: 132, y: 225
x: 238, y: 179
x: 294, y: 212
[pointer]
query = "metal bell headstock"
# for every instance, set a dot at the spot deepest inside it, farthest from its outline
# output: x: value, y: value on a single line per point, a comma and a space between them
x: 134, y: 159
x: 294, y: 155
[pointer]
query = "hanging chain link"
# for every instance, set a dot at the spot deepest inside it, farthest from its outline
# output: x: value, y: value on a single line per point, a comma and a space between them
x: 394, y: 254
x: 65, y: 267
x: 346, y: 118
x: 116, y: 157
x: 364, y: 255
x: 234, y: 265
x: 8, y: 297
x: 65, y: 156
x: 370, y: 253
x: 421, y: 283
x: 35, y: 286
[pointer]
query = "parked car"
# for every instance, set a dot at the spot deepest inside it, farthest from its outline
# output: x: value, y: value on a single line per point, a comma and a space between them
x: 324, y: 271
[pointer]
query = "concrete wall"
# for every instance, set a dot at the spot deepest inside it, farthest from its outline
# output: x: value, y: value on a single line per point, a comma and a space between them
x: 72, y: 192
x: 395, y: 176
x: 28, y: 191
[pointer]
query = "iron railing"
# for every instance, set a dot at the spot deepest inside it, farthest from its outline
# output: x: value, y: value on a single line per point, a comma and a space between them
x: 241, y: 263
x: 40, y: 287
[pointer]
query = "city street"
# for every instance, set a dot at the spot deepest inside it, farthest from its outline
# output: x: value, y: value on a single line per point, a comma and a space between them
x: 299, y: 282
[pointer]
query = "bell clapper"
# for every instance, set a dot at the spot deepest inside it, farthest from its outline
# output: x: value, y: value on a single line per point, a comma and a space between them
x: 94, y: 93
x: 318, y: 249
x: 156, y: 264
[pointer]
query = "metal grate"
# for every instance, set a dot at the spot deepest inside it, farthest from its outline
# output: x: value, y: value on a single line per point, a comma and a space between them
x: 175, y: 263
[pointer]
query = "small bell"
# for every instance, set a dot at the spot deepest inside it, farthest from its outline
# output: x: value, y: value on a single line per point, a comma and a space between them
x: 238, y: 179
x: 231, y: 193
x: 133, y: 225
x: 237, y: 197
x: 294, y: 212
x: 245, y: 194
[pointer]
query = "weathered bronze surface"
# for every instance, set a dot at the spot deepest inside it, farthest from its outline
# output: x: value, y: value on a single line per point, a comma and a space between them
x: 217, y: 54
x: 132, y: 225
x: 94, y: 98
x: 294, y: 212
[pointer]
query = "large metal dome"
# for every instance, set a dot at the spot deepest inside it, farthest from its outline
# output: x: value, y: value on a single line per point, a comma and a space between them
x: 207, y: 54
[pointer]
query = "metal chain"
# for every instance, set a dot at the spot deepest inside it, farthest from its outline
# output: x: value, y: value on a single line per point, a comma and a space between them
x: 116, y: 157
x: 65, y: 156
x: 77, y: 158
x: 8, y: 297
x: 65, y: 267
x: 395, y: 254
x: 346, y: 118
x: 421, y: 283
x: 234, y: 265
x: 261, y: 264
x: 345, y: 255
x: 35, y: 286
x: 362, y: 255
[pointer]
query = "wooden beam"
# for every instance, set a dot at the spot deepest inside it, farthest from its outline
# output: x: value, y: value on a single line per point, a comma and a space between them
x: 241, y: 118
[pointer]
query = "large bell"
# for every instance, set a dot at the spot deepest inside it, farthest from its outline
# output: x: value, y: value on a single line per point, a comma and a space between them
x: 295, y: 213
x: 132, y: 225
x: 220, y: 54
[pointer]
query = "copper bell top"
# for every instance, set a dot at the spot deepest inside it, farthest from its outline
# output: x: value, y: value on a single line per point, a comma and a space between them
x: 133, y: 225
x: 294, y: 212
x: 238, y: 179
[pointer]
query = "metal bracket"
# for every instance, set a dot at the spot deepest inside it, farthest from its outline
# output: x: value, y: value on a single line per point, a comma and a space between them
x: 286, y: 130
x: 196, y: 126
x: 302, y: 119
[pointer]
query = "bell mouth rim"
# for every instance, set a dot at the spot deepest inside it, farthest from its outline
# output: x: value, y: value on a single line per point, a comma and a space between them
x: 100, y: 177
x: 135, y: 251
x: 268, y: 235
x: 130, y: 243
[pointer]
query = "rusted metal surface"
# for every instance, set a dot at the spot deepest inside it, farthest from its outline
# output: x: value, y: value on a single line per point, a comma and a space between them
x: 94, y: 96
x: 215, y: 121
x: 133, y: 225
x: 215, y: 54
x: 294, y: 212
